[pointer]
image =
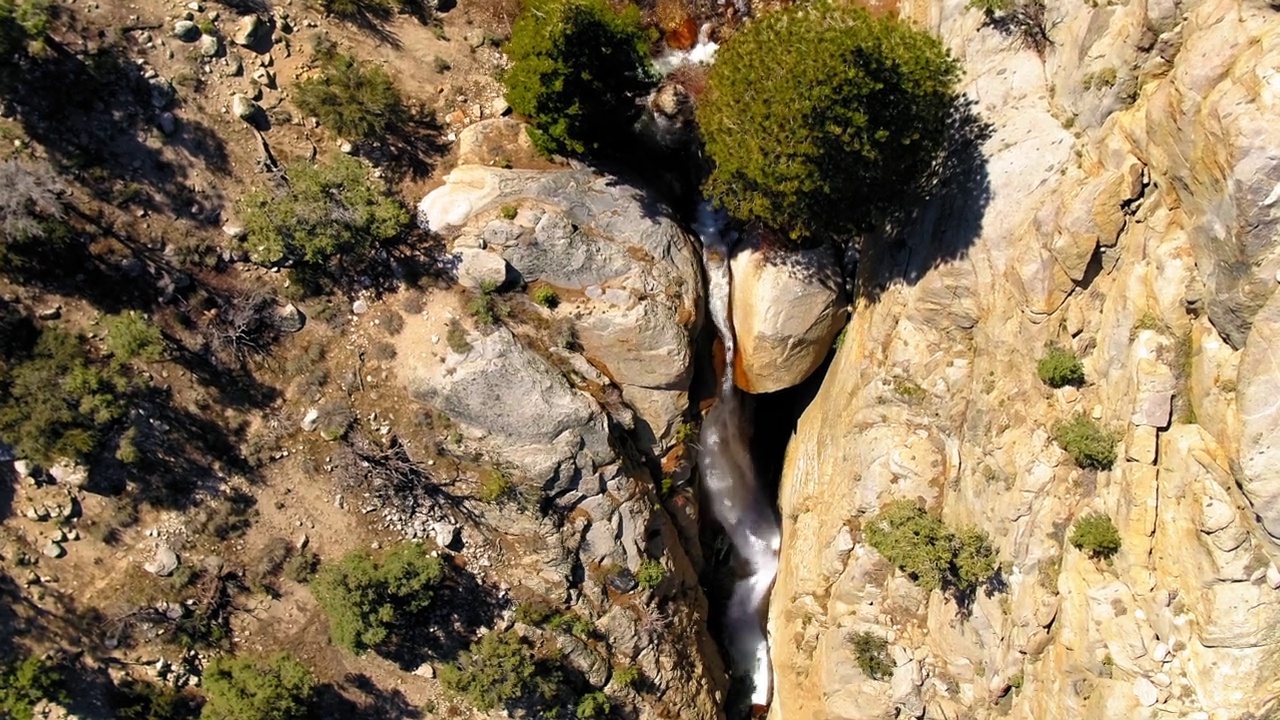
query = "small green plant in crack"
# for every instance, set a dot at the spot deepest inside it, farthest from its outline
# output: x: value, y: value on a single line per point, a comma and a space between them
x: 508, y: 212
x: 494, y: 486
x: 483, y: 307
x: 1060, y: 367
x: 1096, y: 535
x: 908, y: 390
x: 546, y: 296
x: 872, y: 652
x: 651, y: 574
x: 1088, y: 444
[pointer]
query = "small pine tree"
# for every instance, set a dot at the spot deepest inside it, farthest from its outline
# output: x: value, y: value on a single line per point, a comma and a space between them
x: 872, y: 652
x: 130, y: 336
x: 326, y: 211
x: 366, y: 599
x: 240, y: 688
x: 579, y: 69
x: 498, y: 669
x: 357, y: 102
x: 24, y: 684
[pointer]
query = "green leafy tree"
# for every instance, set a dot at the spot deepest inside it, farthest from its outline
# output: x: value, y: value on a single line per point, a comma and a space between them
x: 356, y: 101
x: 1097, y: 535
x: 326, y: 211
x: 238, y: 688
x: 821, y: 118
x: 365, y: 598
x: 922, y: 546
x: 579, y: 69
x: 130, y: 336
x: 498, y: 669
x: 25, y: 683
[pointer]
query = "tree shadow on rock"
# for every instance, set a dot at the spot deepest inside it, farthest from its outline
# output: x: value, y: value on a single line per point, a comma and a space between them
x: 941, y: 217
x: 357, y: 697
x: 460, y: 606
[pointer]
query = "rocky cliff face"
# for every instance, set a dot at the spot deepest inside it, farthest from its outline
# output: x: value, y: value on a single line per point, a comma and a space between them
x: 1124, y: 205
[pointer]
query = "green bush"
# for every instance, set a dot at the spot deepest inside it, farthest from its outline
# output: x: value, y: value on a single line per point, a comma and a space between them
x: 366, y: 598
x: 139, y: 700
x: 23, y: 684
x: 326, y: 211
x: 355, y: 101
x: 626, y: 676
x: 494, y: 486
x: 933, y: 555
x: 578, y: 71
x: 131, y: 336
x: 872, y: 652
x: 821, y: 118
x: 593, y: 705
x: 497, y: 670
x: 23, y: 23
x: 651, y: 574
x: 1087, y: 443
x: 1060, y: 367
x: 1097, y: 535
x: 54, y: 403
x: 238, y: 688
x: 546, y: 296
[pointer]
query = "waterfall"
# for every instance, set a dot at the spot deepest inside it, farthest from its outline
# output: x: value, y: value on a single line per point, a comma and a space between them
x: 728, y: 475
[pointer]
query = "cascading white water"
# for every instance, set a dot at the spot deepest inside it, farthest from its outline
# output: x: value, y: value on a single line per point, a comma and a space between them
x: 731, y: 488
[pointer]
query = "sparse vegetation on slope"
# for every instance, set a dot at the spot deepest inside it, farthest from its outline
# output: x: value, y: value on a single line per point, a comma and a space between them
x: 1088, y: 444
x: 354, y: 100
x: 240, y: 688
x: 1060, y: 367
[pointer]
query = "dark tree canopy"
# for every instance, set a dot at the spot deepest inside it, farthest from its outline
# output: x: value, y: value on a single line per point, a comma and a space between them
x: 822, y: 119
x: 366, y: 598
x: 579, y: 70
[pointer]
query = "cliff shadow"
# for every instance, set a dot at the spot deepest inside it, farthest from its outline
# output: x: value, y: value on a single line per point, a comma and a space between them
x: 939, y: 219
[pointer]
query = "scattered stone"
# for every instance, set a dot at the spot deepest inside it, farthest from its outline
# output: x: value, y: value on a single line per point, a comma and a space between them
x: 37, y: 513
x: 622, y: 581
x: 446, y: 534
x: 163, y: 563
x: 346, y: 147
x: 24, y: 468
x: 302, y: 542
x: 244, y: 108
x: 290, y: 319
x: 1146, y: 692
x: 478, y: 268
x: 186, y: 31
x: 425, y: 670
x: 75, y: 475
x: 247, y: 31
x: 210, y: 46
x: 234, y: 67
x: 73, y: 534
x: 264, y: 77
x: 59, y: 536
x: 235, y: 232
x: 162, y: 93
x: 359, y: 307
x: 54, y: 550
x: 50, y: 313
x: 311, y: 420
x: 167, y: 123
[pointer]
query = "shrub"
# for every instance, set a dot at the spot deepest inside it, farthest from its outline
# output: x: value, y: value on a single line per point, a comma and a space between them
x: 54, y: 403
x: 131, y: 336
x: 355, y: 101
x: 483, y: 308
x: 1088, y: 444
x: 1060, y: 367
x: 546, y: 296
x: 1097, y: 535
x: 578, y: 71
x: 820, y: 118
x: 302, y: 567
x: 139, y: 700
x: 494, y: 486
x: 626, y: 676
x: 508, y: 212
x: 278, y: 688
x: 593, y: 705
x: 326, y: 211
x: 25, y: 683
x: 922, y: 546
x: 22, y: 24
x: 31, y: 208
x: 498, y: 669
x: 365, y: 598
x: 651, y: 574
x: 872, y: 652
